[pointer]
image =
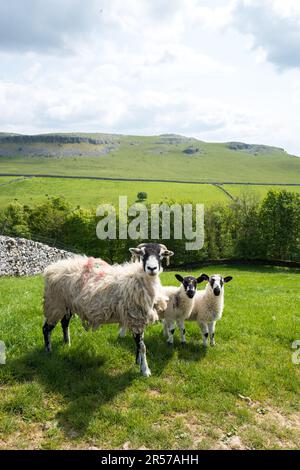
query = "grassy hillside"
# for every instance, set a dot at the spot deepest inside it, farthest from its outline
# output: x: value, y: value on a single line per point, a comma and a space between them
x: 156, y: 157
x: 92, y: 394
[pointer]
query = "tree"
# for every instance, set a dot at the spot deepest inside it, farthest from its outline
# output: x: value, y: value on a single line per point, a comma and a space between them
x: 280, y: 219
x: 142, y: 196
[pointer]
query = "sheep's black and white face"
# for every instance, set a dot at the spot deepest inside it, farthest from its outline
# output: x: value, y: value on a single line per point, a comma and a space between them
x: 216, y: 282
x: 151, y: 255
x: 189, y: 283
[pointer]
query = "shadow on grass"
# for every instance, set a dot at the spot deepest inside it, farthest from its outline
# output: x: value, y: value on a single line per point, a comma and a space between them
x: 82, y: 382
x: 191, y: 351
x: 160, y: 353
x: 78, y: 377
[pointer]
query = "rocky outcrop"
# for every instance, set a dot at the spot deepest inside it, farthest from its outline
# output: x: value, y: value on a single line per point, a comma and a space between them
x: 192, y: 150
x: 21, y: 257
x: 174, y: 139
x: 52, y: 139
x: 252, y: 148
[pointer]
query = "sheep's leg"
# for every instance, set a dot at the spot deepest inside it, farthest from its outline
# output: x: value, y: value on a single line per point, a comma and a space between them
x: 165, y: 328
x: 47, y: 329
x: 122, y: 331
x: 204, y: 330
x: 141, y: 358
x: 211, y: 329
x: 180, y: 323
x: 65, y: 327
x: 171, y: 331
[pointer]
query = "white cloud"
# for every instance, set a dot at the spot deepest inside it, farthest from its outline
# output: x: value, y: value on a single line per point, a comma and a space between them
x: 151, y: 67
x: 274, y: 26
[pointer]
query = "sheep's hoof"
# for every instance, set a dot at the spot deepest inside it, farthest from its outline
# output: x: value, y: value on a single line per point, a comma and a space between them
x: 122, y: 333
x: 212, y: 344
x: 183, y: 343
x: 146, y: 372
x: 170, y: 343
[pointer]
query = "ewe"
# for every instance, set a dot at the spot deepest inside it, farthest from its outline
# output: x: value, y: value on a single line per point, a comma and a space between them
x: 101, y: 294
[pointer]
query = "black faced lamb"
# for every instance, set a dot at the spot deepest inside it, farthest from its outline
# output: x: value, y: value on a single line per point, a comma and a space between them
x: 179, y: 305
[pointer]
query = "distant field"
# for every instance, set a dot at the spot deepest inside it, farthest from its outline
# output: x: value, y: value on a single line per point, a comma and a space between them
x: 92, y: 193
x: 259, y: 191
x: 156, y: 158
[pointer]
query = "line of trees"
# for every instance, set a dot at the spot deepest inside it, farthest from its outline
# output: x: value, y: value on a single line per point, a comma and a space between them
x: 242, y: 229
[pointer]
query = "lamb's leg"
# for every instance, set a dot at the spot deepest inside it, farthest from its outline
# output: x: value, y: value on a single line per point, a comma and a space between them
x: 204, y: 330
x: 141, y: 358
x: 171, y: 330
x: 47, y: 329
x: 65, y: 327
x: 180, y: 323
x: 122, y: 332
x: 211, y: 329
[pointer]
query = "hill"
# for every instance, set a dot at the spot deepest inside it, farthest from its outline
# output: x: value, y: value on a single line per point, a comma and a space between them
x: 167, y: 156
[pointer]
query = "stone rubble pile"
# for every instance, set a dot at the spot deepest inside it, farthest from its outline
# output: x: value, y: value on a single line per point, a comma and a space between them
x: 21, y: 257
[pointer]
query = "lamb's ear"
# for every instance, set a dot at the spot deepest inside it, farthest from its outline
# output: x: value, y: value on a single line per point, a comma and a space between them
x: 228, y: 278
x: 203, y: 277
x: 178, y: 277
x: 136, y: 253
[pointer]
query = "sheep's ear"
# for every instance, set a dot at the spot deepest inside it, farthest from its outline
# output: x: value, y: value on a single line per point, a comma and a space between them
x: 203, y: 277
x: 179, y: 278
x: 228, y: 278
x: 166, y: 254
x: 136, y: 253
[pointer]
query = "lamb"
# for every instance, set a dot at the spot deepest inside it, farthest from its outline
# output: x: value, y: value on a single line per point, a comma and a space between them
x: 100, y: 293
x: 179, y: 306
x: 208, y: 305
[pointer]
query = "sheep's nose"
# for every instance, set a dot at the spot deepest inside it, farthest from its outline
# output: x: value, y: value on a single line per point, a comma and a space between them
x: 190, y: 293
x: 152, y: 270
x: 217, y: 290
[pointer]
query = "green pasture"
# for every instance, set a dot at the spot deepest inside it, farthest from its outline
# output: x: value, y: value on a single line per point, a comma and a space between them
x: 242, y: 393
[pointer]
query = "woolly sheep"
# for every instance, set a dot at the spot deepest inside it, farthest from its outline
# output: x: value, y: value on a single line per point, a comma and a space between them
x: 208, y: 305
x: 101, y: 294
x: 179, y: 306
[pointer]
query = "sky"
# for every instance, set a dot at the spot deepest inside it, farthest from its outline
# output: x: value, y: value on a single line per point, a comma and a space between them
x: 216, y: 70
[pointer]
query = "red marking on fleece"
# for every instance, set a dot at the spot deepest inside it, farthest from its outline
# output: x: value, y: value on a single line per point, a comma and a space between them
x: 89, y: 266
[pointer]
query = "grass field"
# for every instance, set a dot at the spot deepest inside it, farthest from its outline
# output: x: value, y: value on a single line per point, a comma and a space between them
x: 259, y: 191
x: 92, y: 395
x: 89, y: 193
x: 153, y: 157
x: 92, y: 193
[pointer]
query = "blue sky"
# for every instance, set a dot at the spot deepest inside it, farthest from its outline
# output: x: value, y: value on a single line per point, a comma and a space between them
x: 216, y: 70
